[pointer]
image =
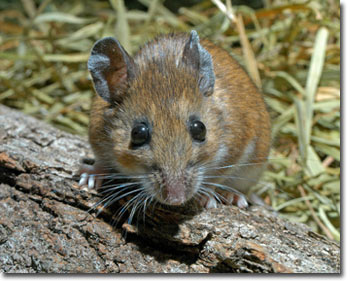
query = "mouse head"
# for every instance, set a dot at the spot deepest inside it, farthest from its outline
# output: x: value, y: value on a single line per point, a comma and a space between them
x: 162, y: 121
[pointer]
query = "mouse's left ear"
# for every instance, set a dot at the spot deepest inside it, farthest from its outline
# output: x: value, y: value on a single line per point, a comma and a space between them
x: 199, y: 58
x: 111, y: 67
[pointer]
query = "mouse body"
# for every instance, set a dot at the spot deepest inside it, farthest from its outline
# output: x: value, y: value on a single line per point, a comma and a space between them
x: 181, y: 119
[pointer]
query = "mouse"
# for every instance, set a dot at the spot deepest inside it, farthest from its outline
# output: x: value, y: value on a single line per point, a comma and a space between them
x: 179, y: 120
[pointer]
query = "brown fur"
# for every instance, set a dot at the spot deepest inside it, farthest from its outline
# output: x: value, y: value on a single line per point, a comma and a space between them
x: 235, y: 116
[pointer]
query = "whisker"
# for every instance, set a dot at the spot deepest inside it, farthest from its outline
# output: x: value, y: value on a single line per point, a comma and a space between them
x: 136, y: 204
x: 100, y: 202
x: 224, y: 187
x: 133, y: 204
x: 234, y: 165
x: 121, y: 211
x: 235, y: 177
x: 140, y: 205
x: 204, y: 191
x: 142, y: 209
x: 216, y: 195
x: 109, y: 200
x: 197, y: 196
x: 113, y: 198
x: 126, y: 194
x: 152, y: 203
x: 119, y: 176
x: 206, y: 167
x: 145, y: 206
x: 123, y: 187
x: 112, y: 187
x: 266, y: 186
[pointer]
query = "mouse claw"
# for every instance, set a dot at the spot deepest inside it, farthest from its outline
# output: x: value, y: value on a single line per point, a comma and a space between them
x: 234, y: 199
x: 90, y: 176
x: 91, y: 182
x: 83, y: 179
x: 242, y: 202
x: 211, y: 203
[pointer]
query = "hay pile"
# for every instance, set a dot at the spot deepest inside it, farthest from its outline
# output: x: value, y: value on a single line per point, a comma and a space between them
x: 292, y: 51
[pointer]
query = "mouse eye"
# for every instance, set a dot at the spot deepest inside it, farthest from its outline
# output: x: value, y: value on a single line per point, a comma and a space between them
x: 140, y: 135
x: 198, y: 130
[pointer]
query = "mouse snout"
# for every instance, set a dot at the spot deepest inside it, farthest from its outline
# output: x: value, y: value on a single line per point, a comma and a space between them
x: 172, y: 188
x: 174, y: 191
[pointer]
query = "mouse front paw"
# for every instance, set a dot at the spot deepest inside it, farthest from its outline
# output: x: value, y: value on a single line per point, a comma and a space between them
x: 227, y: 198
x: 231, y: 198
x: 90, y: 175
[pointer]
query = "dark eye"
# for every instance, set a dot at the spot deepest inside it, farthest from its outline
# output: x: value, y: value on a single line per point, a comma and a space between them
x: 140, y: 134
x: 198, y: 131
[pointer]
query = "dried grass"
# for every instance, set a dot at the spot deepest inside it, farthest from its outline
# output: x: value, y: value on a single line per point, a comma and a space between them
x: 291, y: 49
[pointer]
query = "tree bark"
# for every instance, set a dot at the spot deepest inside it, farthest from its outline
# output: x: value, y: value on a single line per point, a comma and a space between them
x: 45, y: 225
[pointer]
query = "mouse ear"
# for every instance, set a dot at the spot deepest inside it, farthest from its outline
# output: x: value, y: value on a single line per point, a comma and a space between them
x: 111, y: 68
x: 200, y: 59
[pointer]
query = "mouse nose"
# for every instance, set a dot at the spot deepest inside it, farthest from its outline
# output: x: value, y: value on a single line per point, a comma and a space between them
x: 172, y: 186
x: 174, y: 192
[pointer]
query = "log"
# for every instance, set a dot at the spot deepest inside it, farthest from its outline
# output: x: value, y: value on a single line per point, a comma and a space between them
x: 45, y: 225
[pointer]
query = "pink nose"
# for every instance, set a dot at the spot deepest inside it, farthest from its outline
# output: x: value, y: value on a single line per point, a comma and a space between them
x: 174, y: 193
x: 175, y: 200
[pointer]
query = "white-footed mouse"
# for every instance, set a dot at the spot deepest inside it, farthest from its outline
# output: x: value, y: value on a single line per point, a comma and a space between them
x: 179, y: 120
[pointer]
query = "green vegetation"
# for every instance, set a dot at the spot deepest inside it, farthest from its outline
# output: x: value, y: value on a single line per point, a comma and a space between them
x: 290, y: 48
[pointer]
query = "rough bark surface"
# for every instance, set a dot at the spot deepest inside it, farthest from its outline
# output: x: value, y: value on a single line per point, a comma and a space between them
x: 45, y: 226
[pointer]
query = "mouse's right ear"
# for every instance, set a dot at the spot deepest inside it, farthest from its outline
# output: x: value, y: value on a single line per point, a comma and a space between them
x: 111, y: 68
